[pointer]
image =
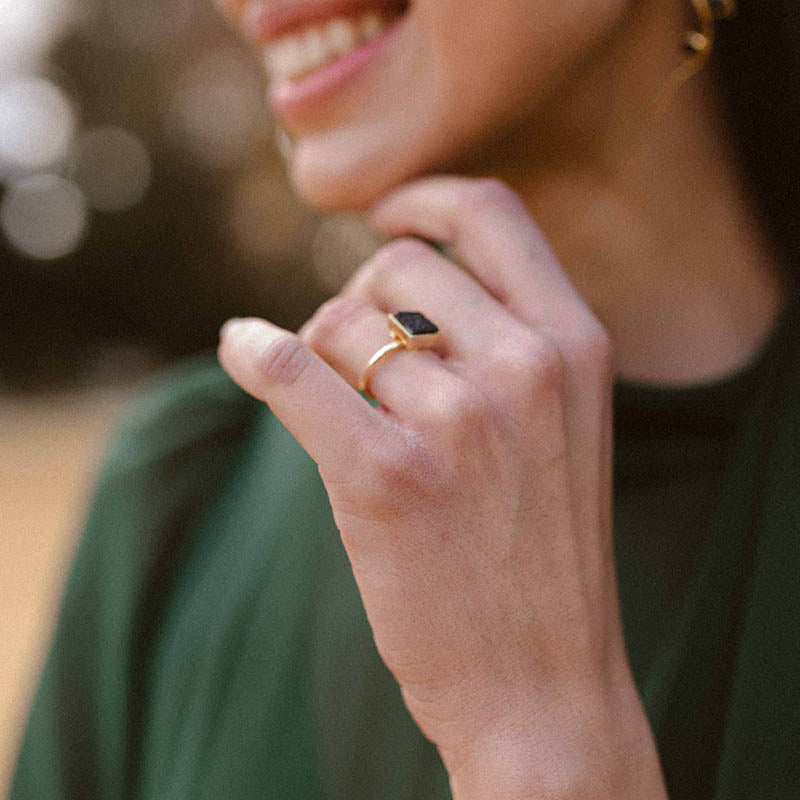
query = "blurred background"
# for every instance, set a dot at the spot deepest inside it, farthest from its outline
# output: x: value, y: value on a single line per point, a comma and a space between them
x: 142, y: 202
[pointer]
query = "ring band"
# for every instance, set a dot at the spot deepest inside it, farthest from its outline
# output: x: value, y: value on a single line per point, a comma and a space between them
x: 386, y: 350
x: 410, y: 330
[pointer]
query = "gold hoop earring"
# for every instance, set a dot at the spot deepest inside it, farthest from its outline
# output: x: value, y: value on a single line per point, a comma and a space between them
x: 699, y: 45
x: 708, y: 12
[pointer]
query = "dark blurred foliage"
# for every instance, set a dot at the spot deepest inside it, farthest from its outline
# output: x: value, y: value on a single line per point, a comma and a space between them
x: 158, y: 278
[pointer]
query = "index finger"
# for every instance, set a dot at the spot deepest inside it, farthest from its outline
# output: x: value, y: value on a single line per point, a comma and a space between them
x: 492, y: 235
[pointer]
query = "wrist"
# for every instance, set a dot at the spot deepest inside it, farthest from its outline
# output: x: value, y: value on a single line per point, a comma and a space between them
x: 615, y: 758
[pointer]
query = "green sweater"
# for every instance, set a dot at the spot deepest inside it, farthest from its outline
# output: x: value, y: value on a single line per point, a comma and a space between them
x: 212, y: 643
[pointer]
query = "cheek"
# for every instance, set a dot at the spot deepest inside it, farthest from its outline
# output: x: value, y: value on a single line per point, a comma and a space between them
x: 488, y: 82
x: 522, y: 48
x: 464, y: 79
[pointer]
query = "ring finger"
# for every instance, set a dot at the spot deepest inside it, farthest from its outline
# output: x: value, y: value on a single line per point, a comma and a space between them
x: 348, y: 331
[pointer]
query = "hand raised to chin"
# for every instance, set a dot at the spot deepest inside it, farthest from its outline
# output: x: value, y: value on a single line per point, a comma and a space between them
x: 474, y: 502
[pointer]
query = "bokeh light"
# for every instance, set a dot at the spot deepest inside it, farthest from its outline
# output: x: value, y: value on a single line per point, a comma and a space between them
x: 149, y: 24
x: 113, y: 168
x: 28, y: 28
x: 136, y: 149
x: 44, y: 216
x: 217, y: 109
x: 37, y: 124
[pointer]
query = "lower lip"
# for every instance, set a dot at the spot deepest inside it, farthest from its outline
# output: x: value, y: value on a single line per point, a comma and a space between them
x: 295, y: 100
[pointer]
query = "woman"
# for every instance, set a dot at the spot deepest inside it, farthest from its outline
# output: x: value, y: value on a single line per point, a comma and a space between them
x: 212, y: 643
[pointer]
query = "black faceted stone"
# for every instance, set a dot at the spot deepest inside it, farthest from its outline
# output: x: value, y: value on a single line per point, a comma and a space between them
x: 415, y: 323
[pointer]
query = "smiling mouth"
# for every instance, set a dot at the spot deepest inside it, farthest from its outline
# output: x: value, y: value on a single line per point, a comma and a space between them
x: 308, y: 47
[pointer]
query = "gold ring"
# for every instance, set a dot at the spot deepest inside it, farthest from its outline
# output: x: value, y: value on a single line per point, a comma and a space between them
x: 410, y: 330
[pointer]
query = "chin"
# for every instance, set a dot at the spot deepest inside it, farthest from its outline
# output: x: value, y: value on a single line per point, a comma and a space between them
x: 325, y: 192
x: 330, y: 182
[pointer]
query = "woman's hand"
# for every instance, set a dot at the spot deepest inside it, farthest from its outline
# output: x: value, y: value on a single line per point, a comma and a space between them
x: 474, y: 503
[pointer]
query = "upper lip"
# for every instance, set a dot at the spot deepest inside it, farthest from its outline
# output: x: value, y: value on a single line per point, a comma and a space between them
x: 272, y: 20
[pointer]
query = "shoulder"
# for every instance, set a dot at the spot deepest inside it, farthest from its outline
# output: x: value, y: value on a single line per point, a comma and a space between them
x: 187, y: 408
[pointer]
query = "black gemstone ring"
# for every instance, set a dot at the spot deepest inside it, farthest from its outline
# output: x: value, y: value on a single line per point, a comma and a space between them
x: 410, y: 330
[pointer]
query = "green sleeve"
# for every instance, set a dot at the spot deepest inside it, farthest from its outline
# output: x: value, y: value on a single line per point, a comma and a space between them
x: 175, y: 445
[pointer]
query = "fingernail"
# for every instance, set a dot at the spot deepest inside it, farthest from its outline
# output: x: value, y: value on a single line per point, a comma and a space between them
x: 232, y: 323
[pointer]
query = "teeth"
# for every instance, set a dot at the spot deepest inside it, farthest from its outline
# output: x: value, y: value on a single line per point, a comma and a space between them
x: 313, y: 49
x: 342, y: 36
x: 285, y: 57
x: 299, y: 53
x: 372, y: 26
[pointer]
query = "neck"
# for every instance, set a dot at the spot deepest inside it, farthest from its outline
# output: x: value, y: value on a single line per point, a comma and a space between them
x: 652, y: 221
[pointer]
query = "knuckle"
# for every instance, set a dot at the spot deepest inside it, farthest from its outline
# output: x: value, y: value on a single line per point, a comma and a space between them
x: 467, y: 408
x: 466, y: 418
x: 284, y: 361
x: 534, y: 360
x: 390, y: 466
x: 330, y: 318
x: 390, y: 262
x: 478, y: 194
x: 399, y: 473
x: 594, y: 352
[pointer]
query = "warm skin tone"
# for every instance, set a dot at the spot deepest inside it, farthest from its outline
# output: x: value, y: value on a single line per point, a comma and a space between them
x: 475, y: 508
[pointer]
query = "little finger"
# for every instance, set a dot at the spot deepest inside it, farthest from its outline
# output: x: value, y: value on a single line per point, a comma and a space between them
x: 332, y: 423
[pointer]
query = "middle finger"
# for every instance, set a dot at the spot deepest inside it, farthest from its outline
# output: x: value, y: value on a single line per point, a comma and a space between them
x: 409, y: 274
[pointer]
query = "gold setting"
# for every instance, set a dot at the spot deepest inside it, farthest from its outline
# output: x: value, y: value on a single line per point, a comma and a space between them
x: 403, y: 337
